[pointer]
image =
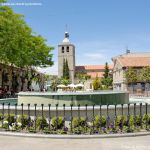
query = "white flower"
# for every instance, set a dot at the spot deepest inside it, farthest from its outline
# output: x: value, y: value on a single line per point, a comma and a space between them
x: 13, y: 124
x: 10, y: 127
x: 5, y: 122
x: 19, y: 124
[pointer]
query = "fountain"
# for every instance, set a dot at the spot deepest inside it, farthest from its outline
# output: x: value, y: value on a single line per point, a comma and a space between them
x: 75, y: 98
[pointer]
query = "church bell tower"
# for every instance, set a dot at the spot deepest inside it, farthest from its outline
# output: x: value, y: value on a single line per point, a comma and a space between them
x: 66, y: 51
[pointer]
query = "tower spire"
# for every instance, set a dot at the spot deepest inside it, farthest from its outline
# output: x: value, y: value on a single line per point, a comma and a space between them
x: 66, y: 27
x: 66, y: 38
x: 66, y: 32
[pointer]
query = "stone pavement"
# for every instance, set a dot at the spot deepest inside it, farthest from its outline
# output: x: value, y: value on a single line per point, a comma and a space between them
x: 124, y: 143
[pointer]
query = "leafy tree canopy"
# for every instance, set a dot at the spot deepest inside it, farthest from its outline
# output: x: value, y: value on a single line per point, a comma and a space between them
x: 131, y: 75
x: 97, y: 84
x: 82, y: 76
x: 107, y: 79
x: 65, y: 69
x: 18, y: 45
x: 145, y: 74
x: 106, y: 72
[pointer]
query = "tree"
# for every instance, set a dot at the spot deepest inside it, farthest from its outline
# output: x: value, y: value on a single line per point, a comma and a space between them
x: 97, y: 84
x: 19, y: 46
x: 107, y: 82
x: 2, y: 1
x: 131, y: 75
x: 82, y: 76
x: 107, y: 79
x: 64, y: 81
x: 144, y: 75
x: 65, y: 69
x: 106, y: 72
x: 55, y: 81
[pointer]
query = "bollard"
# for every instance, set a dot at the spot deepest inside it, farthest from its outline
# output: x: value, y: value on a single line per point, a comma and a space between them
x: 16, y: 116
x: 29, y: 119
x: 93, y: 118
x: 146, y: 115
x: 3, y: 115
x: 121, y: 117
x: 8, y: 116
x: 49, y: 116
x: 42, y: 125
x: 135, y: 115
x: 128, y: 116
x: 35, y: 116
x: 64, y: 115
x: 107, y: 118
x: 115, y: 115
x: 100, y: 110
x: 86, y: 117
x: 78, y: 117
x: 71, y: 118
x: 56, y: 116
x: 141, y: 115
x: 22, y: 116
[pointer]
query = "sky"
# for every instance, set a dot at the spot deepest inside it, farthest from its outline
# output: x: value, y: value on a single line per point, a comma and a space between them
x: 100, y: 29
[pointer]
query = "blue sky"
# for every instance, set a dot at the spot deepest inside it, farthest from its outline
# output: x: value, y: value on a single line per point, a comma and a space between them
x: 100, y: 29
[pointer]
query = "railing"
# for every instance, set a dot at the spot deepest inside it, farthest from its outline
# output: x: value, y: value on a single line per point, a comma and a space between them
x: 75, y: 119
x: 140, y: 93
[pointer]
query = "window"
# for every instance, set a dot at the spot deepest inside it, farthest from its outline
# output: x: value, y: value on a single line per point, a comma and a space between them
x: 62, y: 49
x: 67, y: 48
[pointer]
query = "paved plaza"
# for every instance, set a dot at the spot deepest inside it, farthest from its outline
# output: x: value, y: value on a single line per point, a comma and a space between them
x: 22, y: 143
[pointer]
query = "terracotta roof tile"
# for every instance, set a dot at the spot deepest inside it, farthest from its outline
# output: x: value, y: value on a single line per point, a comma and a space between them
x: 134, y: 61
x: 92, y: 67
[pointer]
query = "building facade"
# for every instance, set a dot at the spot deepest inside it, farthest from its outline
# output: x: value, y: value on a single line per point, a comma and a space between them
x: 93, y: 70
x: 66, y: 51
x: 122, y: 63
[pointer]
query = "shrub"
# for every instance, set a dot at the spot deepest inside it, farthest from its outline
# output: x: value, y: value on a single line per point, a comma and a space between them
x: 79, y: 130
x: 135, y: 120
x: 132, y: 120
x: 97, y: 122
x: 11, y: 119
x: 5, y: 124
x: 146, y: 117
x: 57, y: 123
x: 32, y: 130
x: 128, y: 129
x: 121, y: 121
x: 76, y: 122
x: 138, y: 120
x: 41, y: 123
x: 24, y: 120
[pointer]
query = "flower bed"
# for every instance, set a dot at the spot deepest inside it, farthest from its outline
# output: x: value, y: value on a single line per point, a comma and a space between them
x: 77, y: 125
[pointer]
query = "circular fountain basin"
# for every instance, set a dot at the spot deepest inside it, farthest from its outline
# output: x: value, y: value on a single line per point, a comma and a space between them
x: 74, y: 98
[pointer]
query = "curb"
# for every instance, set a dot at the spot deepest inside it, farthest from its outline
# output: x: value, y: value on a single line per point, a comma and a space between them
x: 29, y: 135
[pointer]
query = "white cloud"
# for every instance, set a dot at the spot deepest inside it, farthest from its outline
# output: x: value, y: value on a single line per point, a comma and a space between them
x: 96, y: 52
x: 94, y: 56
x: 50, y: 70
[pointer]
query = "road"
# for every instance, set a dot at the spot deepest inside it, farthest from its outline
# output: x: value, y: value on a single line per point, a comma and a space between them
x: 22, y: 143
